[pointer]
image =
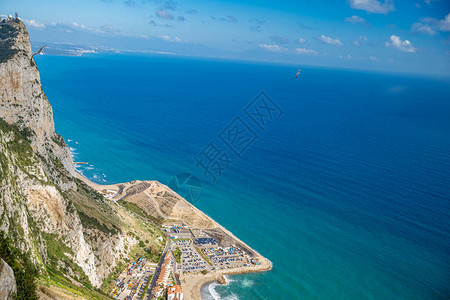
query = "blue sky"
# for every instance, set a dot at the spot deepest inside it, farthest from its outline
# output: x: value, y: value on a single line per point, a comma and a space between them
x: 393, y: 35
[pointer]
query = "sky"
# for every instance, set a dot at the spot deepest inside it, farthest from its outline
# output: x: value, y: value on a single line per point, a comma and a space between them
x: 387, y: 35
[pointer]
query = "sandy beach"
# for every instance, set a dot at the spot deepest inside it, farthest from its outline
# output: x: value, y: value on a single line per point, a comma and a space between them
x: 193, y: 283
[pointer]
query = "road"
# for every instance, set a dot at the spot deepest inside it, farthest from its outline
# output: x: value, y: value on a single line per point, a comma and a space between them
x: 141, y: 290
x: 166, y: 249
x: 174, y: 269
x: 158, y: 269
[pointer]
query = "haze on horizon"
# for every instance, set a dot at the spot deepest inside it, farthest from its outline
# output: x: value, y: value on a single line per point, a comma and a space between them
x: 386, y: 35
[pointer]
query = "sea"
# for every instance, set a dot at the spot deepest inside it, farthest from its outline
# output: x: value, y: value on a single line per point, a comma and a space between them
x: 341, y: 178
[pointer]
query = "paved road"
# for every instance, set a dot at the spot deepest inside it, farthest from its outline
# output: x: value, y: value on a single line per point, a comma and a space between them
x: 166, y: 249
x: 174, y: 269
x: 141, y: 290
x: 158, y: 269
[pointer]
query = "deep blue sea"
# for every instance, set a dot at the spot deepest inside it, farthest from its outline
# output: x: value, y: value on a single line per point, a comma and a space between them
x: 347, y: 191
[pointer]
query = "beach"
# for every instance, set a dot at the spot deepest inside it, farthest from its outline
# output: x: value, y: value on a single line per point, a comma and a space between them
x: 191, y: 283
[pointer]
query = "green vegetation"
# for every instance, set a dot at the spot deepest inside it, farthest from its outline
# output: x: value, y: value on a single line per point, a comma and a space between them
x: 57, y: 279
x: 59, y: 140
x: 58, y: 266
x: 109, y: 283
x: 24, y: 270
x: 20, y: 145
x: 204, y: 256
x: 147, y: 285
x: 151, y: 252
x: 140, y: 212
x: 91, y: 222
x: 182, y: 239
x: 93, y: 209
x: 59, y: 261
x: 177, y: 254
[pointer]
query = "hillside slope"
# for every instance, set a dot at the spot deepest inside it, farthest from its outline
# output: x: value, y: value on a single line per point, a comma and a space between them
x: 72, y: 235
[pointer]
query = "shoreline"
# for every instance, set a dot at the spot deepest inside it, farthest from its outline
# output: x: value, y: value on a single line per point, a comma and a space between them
x: 193, y: 283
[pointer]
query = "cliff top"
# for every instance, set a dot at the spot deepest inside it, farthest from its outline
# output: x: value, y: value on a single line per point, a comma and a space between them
x: 9, y: 30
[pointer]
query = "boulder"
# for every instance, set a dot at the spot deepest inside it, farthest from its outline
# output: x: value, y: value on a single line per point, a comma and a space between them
x: 8, y: 287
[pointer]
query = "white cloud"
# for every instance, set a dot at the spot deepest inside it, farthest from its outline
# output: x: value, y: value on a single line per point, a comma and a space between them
x: 163, y: 14
x: 273, y: 48
x: 329, y: 40
x: 397, y: 43
x: 301, y: 51
x: 109, y: 28
x: 355, y: 19
x: 373, y: 6
x: 361, y: 39
x: 348, y: 56
x: 165, y: 37
x: 431, y: 25
x: 423, y: 28
x: 168, y: 38
x: 445, y: 24
x: 34, y: 23
x: 82, y: 26
x: 301, y: 40
x: 372, y: 58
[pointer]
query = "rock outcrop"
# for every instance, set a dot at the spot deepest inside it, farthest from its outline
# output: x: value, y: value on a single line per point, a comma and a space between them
x: 24, y: 103
x: 65, y: 226
x: 8, y: 288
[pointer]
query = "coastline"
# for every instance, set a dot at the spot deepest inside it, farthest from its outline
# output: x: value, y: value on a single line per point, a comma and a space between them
x: 193, y: 283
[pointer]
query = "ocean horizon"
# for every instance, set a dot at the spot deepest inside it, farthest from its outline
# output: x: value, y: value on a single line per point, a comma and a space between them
x: 345, y: 188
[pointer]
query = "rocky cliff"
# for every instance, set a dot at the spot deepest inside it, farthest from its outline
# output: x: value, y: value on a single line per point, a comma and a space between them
x: 70, y: 231
x: 23, y: 102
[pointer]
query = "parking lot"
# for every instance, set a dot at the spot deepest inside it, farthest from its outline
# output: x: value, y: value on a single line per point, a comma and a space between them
x: 191, y: 260
x: 226, y: 257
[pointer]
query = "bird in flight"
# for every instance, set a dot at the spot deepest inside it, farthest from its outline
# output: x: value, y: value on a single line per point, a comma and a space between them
x: 298, y: 72
x: 39, y: 52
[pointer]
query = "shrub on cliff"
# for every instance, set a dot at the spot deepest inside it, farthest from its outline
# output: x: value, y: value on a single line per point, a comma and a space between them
x: 24, y: 270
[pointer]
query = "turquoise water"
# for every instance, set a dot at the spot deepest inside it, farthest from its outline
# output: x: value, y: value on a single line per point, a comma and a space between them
x: 347, y: 192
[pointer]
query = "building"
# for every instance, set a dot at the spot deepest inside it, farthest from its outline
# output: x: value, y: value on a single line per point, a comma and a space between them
x: 174, y: 293
x: 161, y: 282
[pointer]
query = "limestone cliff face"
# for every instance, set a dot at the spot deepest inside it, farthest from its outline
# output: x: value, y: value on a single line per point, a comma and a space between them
x: 23, y: 102
x: 59, y: 221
